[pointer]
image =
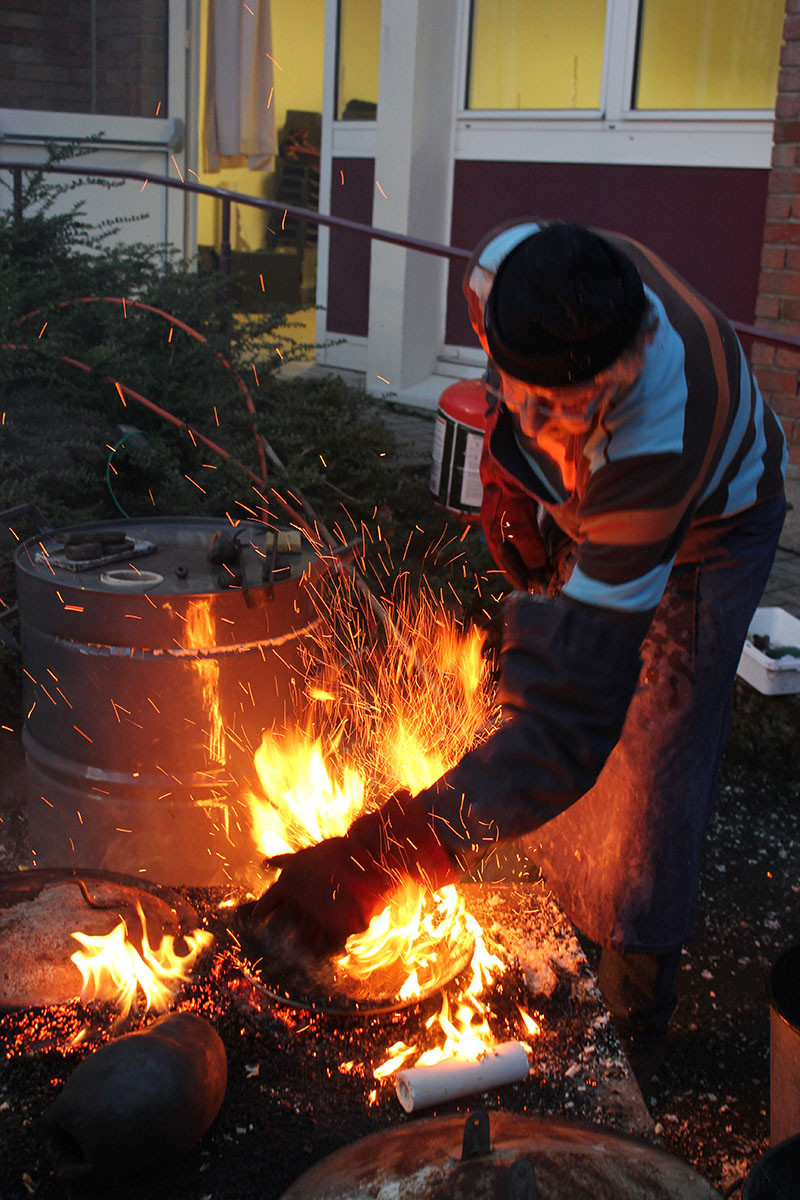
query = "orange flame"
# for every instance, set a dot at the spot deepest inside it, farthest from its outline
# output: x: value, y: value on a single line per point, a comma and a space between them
x: 113, y: 969
x: 398, y: 714
x: 199, y: 636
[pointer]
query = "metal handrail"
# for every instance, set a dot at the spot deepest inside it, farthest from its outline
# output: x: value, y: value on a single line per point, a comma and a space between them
x: 750, y: 332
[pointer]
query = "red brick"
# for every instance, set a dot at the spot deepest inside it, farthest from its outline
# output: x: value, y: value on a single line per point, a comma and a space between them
x: 768, y: 308
x: 784, y: 155
x: 780, y: 283
x: 789, y: 78
x: 790, y: 54
x: 787, y: 407
x: 789, y: 360
x: 785, y: 232
x: 787, y: 106
x: 773, y: 258
x: 778, y: 208
x: 790, y: 311
x: 792, y: 259
x: 791, y: 28
x: 781, y: 181
x: 782, y: 383
x: 787, y: 131
x: 762, y: 355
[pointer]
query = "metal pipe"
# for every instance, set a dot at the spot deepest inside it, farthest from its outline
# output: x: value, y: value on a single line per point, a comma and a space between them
x: 303, y: 214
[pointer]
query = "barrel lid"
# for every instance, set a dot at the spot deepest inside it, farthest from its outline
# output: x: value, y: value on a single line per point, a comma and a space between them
x: 528, y: 1156
x: 465, y: 401
x: 165, y: 555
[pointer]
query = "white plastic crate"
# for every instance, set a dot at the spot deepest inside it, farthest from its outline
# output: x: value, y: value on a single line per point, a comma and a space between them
x: 772, y: 676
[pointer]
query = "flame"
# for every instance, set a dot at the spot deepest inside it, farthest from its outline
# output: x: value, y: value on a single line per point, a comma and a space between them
x: 200, y: 635
x: 385, y: 714
x: 113, y: 969
x: 308, y: 803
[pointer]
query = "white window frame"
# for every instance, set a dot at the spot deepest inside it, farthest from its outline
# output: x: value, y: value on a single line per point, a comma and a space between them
x: 35, y: 126
x: 730, y: 138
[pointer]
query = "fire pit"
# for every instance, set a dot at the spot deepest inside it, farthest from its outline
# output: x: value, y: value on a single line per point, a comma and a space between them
x: 302, y: 1085
x: 307, y: 1075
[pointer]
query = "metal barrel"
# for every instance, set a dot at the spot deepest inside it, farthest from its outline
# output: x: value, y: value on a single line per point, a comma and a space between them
x: 784, y: 1046
x: 152, y: 665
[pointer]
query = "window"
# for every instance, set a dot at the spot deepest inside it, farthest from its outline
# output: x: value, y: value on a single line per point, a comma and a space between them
x: 89, y: 56
x: 536, y: 54
x: 708, y: 54
x: 358, y: 57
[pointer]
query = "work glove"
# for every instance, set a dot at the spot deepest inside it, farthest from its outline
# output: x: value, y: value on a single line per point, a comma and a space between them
x: 328, y: 891
x: 509, y: 520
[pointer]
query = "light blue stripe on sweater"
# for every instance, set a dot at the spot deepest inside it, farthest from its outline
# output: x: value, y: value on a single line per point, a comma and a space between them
x: 636, y: 595
x: 501, y: 246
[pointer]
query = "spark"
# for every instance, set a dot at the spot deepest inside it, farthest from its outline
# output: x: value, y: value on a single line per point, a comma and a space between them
x: 274, y: 63
x: 322, y: 460
x: 41, y: 331
x: 380, y: 189
x: 386, y: 381
x: 216, y: 415
x: 83, y: 735
x: 158, y: 108
x: 177, y: 168
x: 197, y: 485
x: 124, y: 305
x: 261, y: 281
x: 118, y: 386
x: 150, y: 494
x: 144, y: 185
x: 171, y: 331
x: 269, y: 98
x: 73, y: 608
x: 341, y: 176
x: 283, y: 219
x: 249, y: 9
x: 278, y: 352
x: 189, y: 171
x: 255, y: 372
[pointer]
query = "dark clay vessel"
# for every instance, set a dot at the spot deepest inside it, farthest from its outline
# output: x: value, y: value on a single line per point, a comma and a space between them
x: 139, y: 1102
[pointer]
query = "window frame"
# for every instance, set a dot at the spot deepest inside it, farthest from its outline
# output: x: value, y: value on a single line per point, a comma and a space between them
x: 24, y: 126
x: 707, y: 137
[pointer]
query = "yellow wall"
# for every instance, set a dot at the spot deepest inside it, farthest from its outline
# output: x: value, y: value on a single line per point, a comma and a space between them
x: 359, y: 51
x: 537, y: 54
x: 298, y: 43
x: 710, y: 54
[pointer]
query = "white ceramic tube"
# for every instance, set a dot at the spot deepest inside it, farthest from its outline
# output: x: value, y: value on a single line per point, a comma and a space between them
x: 420, y: 1087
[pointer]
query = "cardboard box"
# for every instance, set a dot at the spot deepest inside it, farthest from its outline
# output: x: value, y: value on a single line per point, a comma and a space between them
x: 772, y: 676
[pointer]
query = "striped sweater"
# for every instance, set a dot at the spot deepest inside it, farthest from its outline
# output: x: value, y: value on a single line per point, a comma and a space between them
x: 690, y: 444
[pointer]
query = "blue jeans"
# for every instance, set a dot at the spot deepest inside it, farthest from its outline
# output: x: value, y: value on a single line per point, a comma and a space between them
x: 624, y: 860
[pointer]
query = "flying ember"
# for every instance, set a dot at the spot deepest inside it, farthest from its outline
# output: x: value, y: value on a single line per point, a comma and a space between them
x: 387, y: 713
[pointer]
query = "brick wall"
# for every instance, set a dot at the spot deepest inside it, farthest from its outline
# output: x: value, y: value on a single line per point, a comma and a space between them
x: 84, y: 56
x: 778, y: 304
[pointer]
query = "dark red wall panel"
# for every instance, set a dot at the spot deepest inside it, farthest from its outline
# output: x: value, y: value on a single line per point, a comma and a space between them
x: 352, y: 188
x: 706, y: 222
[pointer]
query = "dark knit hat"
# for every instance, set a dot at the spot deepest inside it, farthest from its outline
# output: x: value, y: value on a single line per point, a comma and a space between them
x: 564, y: 305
